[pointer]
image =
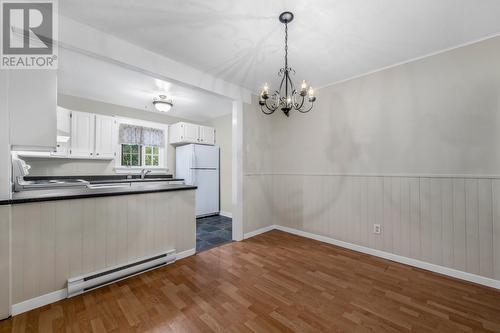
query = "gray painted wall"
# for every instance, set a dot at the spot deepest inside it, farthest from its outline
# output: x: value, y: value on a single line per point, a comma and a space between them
x: 414, y: 148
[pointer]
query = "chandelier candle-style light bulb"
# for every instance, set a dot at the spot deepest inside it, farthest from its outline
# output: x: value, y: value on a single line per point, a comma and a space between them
x: 265, y: 91
x: 303, y: 88
x: 287, y: 98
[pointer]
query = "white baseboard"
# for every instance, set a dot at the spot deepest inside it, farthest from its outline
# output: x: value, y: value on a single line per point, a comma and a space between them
x: 37, y: 302
x: 185, y: 254
x: 397, y: 258
x: 226, y: 214
x: 258, y: 231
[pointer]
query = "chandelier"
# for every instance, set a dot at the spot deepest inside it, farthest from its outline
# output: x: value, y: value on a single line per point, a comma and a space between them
x: 287, y: 98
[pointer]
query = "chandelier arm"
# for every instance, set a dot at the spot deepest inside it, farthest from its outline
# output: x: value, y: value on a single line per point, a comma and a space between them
x: 301, y: 104
x: 282, y: 80
x: 292, y: 86
x: 266, y: 112
x: 305, y: 111
x: 271, y: 108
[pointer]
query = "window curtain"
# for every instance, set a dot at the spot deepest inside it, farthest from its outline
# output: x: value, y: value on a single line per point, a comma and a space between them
x: 139, y: 135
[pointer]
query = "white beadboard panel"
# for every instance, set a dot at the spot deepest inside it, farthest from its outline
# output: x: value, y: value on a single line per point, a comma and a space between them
x: 436, y: 222
x: 389, y: 208
x: 5, y: 234
x: 52, y: 241
x: 485, y: 220
x: 425, y: 220
x: 257, y: 195
x: 450, y: 222
x: 404, y: 235
x: 395, y: 213
x: 472, y: 226
x: 447, y: 222
x: 496, y: 228
x: 459, y: 228
x: 415, y: 229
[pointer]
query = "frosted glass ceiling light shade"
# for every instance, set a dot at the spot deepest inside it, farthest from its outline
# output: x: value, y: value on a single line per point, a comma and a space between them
x: 163, y: 104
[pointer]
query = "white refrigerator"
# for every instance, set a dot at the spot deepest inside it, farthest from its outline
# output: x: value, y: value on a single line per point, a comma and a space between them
x: 199, y: 165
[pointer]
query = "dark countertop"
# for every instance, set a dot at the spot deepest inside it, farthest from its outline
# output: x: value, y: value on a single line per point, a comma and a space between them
x: 85, y: 192
x: 108, y: 178
x: 134, y: 180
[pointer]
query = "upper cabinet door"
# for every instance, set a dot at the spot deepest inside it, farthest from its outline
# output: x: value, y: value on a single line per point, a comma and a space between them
x: 185, y: 133
x: 207, y: 135
x: 191, y: 132
x: 32, y: 104
x: 63, y: 123
x: 82, y: 134
x: 105, y: 137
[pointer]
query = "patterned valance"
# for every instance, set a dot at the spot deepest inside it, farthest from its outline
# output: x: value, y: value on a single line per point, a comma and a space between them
x: 139, y: 135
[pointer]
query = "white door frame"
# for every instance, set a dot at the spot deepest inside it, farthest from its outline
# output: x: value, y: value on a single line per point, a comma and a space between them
x: 237, y: 170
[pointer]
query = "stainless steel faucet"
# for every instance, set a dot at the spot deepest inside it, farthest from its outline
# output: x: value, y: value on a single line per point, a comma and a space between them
x: 144, y: 172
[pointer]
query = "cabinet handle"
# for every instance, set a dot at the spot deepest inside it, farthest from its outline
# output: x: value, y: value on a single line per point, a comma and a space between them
x: 91, y: 154
x: 97, y: 154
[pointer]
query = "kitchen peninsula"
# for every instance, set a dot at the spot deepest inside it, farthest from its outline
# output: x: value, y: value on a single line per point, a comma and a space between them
x: 59, y: 234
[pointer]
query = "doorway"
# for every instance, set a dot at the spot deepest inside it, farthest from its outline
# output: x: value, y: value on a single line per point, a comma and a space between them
x: 213, y: 231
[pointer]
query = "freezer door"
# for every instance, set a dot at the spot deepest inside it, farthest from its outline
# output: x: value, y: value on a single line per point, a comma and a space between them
x: 207, y: 194
x: 206, y: 157
x: 184, y: 163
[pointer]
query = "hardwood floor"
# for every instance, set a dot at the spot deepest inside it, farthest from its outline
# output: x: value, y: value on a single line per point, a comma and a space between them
x: 275, y: 282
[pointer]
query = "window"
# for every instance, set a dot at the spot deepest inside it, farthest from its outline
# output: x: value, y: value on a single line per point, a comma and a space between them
x: 140, y: 156
x: 141, y: 145
x: 131, y: 155
x: 151, y: 156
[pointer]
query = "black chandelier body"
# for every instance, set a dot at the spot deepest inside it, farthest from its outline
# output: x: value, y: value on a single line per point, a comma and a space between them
x: 287, y: 98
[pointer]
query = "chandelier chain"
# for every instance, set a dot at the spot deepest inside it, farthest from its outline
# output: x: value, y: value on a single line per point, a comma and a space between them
x: 286, y: 46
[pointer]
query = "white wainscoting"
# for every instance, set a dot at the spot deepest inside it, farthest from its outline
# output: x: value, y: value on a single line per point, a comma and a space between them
x: 52, y: 241
x: 448, y: 221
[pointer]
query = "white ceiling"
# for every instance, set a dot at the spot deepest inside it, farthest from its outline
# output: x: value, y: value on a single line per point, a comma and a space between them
x: 83, y: 76
x: 330, y: 40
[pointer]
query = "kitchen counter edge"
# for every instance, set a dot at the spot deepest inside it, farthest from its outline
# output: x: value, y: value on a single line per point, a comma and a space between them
x: 94, y: 194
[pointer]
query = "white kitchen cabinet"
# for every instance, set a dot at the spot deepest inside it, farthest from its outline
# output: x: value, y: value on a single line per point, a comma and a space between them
x: 185, y: 133
x: 32, y: 104
x: 207, y: 135
x: 63, y: 132
x: 63, y: 122
x: 189, y: 132
x: 82, y: 134
x: 105, y: 137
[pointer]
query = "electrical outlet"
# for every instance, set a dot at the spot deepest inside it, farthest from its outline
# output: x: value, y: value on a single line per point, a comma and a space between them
x: 377, y: 229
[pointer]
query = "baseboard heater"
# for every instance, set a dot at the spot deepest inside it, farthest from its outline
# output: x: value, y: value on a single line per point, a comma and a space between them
x: 81, y: 284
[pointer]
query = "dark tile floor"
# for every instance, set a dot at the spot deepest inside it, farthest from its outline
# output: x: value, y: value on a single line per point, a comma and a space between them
x: 213, y: 231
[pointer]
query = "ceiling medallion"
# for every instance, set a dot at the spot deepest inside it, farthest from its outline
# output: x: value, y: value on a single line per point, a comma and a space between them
x: 287, y: 97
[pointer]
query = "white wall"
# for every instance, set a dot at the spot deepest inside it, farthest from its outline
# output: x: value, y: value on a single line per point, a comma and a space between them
x: 64, y: 167
x: 257, y: 164
x: 223, y: 129
x: 414, y: 148
x: 5, y: 165
x: 440, y: 115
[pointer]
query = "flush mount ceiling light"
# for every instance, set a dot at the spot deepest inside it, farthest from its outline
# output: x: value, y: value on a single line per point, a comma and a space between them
x: 287, y: 97
x: 162, y: 104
